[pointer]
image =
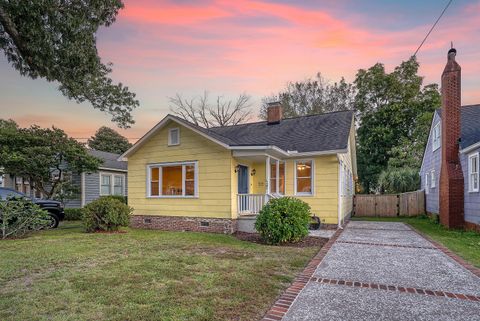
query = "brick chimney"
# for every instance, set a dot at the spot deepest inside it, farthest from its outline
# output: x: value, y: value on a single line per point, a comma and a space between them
x: 274, y: 113
x: 451, y: 175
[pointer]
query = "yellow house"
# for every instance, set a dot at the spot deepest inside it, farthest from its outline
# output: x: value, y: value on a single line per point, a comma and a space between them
x: 186, y: 177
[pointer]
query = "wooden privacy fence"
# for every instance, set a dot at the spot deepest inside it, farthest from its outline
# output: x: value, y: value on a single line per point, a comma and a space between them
x: 405, y: 204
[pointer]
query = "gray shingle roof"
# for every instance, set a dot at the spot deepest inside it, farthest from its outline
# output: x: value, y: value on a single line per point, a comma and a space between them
x: 470, y: 122
x: 109, y: 159
x: 312, y: 133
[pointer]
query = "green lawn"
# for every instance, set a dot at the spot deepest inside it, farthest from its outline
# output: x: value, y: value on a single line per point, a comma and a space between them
x: 465, y: 244
x: 65, y: 274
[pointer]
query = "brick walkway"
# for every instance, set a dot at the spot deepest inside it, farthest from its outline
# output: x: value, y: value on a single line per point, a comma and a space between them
x: 381, y: 271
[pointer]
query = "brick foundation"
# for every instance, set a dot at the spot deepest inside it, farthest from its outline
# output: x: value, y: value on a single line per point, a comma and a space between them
x: 182, y: 223
x: 469, y: 226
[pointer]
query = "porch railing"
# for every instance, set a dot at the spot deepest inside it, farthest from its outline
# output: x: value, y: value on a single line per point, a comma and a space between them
x: 251, y: 204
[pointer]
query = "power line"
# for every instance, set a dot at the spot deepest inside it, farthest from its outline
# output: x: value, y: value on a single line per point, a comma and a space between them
x: 431, y: 29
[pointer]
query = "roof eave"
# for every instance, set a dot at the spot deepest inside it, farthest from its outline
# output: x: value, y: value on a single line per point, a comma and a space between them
x: 470, y: 148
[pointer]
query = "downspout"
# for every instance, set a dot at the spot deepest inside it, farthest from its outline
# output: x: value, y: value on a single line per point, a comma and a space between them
x: 339, y: 218
x: 82, y: 187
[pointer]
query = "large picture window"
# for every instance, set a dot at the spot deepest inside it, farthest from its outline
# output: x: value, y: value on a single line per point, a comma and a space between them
x: 304, y: 177
x: 277, y: 177
x: 473, y: 173
x: 173, y: 180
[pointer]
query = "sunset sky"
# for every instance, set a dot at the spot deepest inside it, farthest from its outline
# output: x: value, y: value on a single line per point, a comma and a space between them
x: 159, y: 48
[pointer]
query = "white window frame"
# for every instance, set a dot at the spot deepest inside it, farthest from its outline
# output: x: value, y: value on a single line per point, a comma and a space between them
x: 277, y: 175
x: 112, y: 183
x: 433, y: 179
x: 312, y: 181
x: 170, y: 131
x: 427, y: 177
x: 471, y: 188
x: 160, y: 165
x: 437, y: 138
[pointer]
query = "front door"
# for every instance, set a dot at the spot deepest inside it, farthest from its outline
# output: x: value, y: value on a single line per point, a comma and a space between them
x: 242, y: 179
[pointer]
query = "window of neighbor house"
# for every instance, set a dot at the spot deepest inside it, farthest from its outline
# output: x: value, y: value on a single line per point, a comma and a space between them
x: 473, y: 172
x: 173, y: 136
x: 304, y: 177
x: 436, y: 137
x: 105, y: 184
x: 173, y: 180
x: 427, y: 177
x: 433, y: 179
x: 118, y: 185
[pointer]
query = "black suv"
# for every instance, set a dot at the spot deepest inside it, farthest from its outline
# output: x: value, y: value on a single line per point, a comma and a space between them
x: 54, y: 208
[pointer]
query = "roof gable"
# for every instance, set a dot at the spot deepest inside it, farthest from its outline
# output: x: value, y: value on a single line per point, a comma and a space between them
x: 470, y: 120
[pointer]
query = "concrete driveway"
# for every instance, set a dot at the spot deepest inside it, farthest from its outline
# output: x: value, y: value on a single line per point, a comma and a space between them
x: 382, y: 271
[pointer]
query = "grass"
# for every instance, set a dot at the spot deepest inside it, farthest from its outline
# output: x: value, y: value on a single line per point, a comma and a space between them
x: 464, y: 244
x: 65, y: 274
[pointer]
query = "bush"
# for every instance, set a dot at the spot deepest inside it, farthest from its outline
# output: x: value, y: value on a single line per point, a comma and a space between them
x: 120, y: 198
x: 106, y: 214
x: 399, y: 180
x: 283, y: 220
x: 19, y: 216
x: 73, y: 214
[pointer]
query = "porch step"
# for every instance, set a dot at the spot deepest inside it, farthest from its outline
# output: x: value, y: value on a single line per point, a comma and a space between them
x: 246, y: 224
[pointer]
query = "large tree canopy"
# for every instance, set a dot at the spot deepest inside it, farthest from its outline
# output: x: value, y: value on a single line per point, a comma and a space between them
x: 55, y: 40
x: 45, y: 156
x: 108, y: 140
x: 393, y: 110
x: 312, y: 96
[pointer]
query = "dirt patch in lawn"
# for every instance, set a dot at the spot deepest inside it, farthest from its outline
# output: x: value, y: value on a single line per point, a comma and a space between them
x: 309, y: 241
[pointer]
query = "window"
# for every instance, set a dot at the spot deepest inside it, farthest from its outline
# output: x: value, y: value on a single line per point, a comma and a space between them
x: 173, y: 136
x: 112, y: 184
x: 426, y: 183
x: 436, y: 137
x: 433, y: 180
x: 277, y: 177
x: 105, y: 184
x: 304, y: 177
x: 173, y: 180
x: 473, y: 173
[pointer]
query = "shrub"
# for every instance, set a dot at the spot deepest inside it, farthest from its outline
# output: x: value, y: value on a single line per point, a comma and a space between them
x: 283, y: 220
x: 106, y: 214
x: 399, y: 180
x: 19, y: 216
x: 73, y: 214
x: 120, y: 198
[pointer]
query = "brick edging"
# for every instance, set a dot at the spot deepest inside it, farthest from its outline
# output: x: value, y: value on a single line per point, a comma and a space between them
x: 446, y: 251
x: 283, y: 303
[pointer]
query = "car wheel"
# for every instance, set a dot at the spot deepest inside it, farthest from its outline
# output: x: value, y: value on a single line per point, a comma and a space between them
x: 54, y: 221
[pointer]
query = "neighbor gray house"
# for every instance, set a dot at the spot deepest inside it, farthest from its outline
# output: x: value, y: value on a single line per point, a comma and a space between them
x: 450, y: 166
x: 110, y: 179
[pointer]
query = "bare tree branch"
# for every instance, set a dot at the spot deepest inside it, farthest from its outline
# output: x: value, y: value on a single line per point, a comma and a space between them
x: 223, y: 113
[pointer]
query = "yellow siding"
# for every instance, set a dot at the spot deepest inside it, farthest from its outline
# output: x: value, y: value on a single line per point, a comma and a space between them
x: 214, y: 168
x: 325, y: 199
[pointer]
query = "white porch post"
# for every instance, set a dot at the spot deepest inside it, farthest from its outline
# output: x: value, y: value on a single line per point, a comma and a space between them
x: 267, y: 175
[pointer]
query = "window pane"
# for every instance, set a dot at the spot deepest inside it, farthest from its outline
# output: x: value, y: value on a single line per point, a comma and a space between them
x: 304, y: 169
x: 154, y: 176
x: 118, y: 185
x: 190, y: 188
x: 189, y: 172
x: 172, y: 180
x: 105, y: 188
x: 281, y: 174
x: 304, y: 185
x: 189, y: 180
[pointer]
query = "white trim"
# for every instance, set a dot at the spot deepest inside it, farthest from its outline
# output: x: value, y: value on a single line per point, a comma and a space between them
x: 113, y: 169
x: 112, y: 183
x: 434, y: 140
x: 426, y: 185
x: 433, y: 179
x: 160, y: 179
x: 429, y: 134
x: 470, y: 148
x: 267, y: 176
x: 170, y: 131
x: 82, y: 193
x: 339, y: 207
x: 312, y: 175
x: 472, y: 189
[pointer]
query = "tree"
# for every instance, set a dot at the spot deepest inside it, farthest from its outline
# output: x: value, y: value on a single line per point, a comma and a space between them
x: 399, y: 180
x: 201, y: 112
x: 46, y: 157
x: 393, y: 111
x: 108, y: 140
x: 312, y: 96
x: 55, y: 40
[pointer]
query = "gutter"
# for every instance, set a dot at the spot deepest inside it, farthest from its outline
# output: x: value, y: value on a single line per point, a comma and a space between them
x: 339, y: 207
